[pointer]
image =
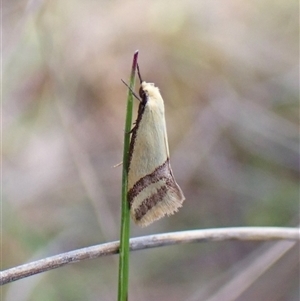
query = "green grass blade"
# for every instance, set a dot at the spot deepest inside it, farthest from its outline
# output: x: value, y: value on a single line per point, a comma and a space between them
x: 125, y: 218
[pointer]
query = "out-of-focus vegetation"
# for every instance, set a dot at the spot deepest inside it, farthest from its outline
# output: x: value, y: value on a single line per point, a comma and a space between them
x: 229, y: 74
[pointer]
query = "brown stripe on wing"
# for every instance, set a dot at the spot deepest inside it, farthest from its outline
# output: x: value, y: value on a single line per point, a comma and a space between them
x: 134, y: 130
x: 150, y: 202
x: 161, y: 172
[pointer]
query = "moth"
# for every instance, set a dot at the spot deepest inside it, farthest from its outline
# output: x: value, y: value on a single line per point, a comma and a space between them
x: 152, y: 189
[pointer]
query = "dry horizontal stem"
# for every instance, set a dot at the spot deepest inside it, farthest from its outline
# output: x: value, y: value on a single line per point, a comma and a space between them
x: 151, y: 241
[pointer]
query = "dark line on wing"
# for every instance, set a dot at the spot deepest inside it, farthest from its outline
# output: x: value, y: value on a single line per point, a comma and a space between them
x: 162, y: 172
x: 150, y: 202
x: 134, y: 130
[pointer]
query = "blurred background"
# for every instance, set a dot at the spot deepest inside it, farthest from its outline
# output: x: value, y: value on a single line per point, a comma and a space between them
x: 229, y: 74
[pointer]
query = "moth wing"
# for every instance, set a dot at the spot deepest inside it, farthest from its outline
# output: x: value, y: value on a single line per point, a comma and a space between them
x: 152, y: 189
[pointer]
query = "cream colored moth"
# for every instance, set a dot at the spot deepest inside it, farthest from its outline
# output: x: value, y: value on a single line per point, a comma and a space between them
x: 152, y: 189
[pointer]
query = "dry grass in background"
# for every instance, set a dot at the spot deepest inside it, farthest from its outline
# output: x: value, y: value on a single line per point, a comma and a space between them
x: 228, y: 72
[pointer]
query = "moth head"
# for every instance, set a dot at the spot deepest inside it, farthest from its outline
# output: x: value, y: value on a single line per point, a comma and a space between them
x: 148, y: 90
x: 142, y: 92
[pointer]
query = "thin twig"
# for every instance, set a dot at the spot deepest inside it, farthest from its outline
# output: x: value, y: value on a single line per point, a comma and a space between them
x: 151, y: 241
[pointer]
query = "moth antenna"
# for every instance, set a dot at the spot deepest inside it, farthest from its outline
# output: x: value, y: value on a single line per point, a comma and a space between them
x: 139, y: 74
x: 133, y: 93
